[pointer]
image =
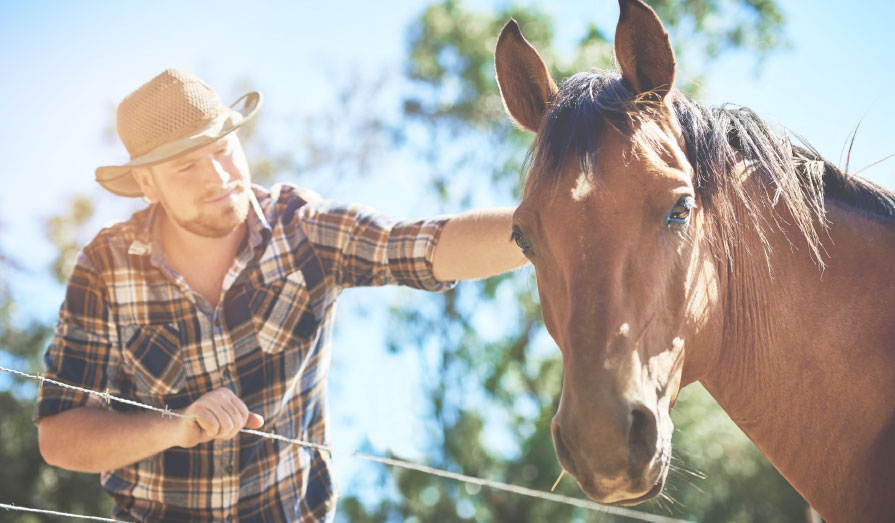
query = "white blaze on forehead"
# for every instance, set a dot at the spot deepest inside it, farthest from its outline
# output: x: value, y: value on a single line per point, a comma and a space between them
x: 624, y: 329
x: 583, y: 187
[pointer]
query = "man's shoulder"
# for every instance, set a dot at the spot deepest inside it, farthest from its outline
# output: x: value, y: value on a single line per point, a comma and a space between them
x: 282, y: 200
x: 286, y: 192
x: 116, y: 239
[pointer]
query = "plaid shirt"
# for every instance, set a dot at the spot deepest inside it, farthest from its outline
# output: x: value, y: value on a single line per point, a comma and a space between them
x: 131, y: 325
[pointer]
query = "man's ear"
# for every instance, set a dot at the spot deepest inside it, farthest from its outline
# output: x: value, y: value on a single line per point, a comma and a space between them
x: 143, y: 177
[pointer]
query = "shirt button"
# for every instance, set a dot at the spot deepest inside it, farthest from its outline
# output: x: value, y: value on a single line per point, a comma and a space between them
x: 217, y: 322
x: 226, y: 372
x: 229, y: 469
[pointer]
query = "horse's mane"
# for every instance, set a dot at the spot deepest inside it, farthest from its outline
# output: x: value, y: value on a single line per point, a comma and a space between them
x: 718, y: 140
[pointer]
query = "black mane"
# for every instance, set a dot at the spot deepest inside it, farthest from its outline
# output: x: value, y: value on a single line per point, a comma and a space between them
x: 717, y: 140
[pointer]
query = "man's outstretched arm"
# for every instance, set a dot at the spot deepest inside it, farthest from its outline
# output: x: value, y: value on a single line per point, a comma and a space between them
x: 477, y: 244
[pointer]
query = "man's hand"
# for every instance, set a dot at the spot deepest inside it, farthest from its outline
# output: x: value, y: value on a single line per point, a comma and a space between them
x: 218, y: 414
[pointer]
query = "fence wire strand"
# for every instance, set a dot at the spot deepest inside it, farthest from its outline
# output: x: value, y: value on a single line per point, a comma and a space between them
x: 54, y: 513
x: 506, y: 487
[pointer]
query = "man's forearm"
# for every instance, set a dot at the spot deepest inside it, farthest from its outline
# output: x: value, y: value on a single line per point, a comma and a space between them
x: 87, y: 439
x: 477, y: 244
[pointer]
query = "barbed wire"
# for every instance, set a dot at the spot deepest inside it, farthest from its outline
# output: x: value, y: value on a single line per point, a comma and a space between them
x: 498, y: 485
x: 54, y: 513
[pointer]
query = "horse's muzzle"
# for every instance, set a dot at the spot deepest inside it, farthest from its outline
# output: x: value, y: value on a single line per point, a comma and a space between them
x: 616, y: 475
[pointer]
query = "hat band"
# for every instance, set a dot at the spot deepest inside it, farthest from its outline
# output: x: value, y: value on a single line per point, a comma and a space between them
x: 214, y: 129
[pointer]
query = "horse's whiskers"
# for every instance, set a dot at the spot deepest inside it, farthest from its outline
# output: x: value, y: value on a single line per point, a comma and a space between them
x: 685, y: 468
x: 692, y: 472
x: 680, y: 480
x: 669, y: 499
x: 561, y: 474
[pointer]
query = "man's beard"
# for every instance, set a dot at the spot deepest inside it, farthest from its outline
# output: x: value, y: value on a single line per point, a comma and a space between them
x: 219, y: 223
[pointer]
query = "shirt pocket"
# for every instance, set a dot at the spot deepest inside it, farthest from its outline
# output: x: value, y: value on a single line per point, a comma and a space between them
x: 282, y: 315
x: 154, y: 356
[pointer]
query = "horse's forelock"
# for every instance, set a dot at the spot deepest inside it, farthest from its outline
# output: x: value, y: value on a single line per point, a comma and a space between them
x: 583, y: 107
x: 586, y: 104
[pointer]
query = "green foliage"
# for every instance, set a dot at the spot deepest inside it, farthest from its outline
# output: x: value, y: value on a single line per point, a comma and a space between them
x: 25, y: 479
x: 451, y: 51
x: 29, y: 482
x: 63, y: 231
x: 753, y: 25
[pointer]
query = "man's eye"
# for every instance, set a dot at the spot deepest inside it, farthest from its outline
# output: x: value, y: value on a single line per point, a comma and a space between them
x: 186, y: 168
x: 522, y: 242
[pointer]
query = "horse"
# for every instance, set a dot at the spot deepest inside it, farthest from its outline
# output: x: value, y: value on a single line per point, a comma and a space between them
x: 675, y: 243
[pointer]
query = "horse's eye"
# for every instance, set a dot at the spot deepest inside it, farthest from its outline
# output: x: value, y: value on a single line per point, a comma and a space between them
x: 522, y: 241
x: 680, y: 213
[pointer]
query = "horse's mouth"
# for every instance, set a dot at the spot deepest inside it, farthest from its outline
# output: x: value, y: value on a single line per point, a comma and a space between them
x: 606, y: 497
x: 656, y: 489
x: 614, y: 489
x: 653, y: 492
x: 614, y: 496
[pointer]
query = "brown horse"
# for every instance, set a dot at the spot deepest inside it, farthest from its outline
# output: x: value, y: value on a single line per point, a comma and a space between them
x: 676, y: 243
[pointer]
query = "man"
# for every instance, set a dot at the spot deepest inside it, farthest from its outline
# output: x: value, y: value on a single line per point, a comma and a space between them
x: 217, y: 301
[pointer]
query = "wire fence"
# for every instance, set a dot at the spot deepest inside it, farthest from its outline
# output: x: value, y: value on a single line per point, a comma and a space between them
x: 515, y: 489
x: 54, y: 513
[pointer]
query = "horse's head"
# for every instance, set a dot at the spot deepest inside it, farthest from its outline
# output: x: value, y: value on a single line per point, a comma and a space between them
x: 611, y: 220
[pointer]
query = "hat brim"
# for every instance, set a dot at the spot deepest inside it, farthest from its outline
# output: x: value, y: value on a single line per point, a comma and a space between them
x: 119, y: 179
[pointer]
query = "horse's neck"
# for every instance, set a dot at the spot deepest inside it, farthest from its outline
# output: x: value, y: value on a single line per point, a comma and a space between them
x: 807, y: 366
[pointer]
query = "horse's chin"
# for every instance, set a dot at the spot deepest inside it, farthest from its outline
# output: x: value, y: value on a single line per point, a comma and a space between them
x: 629, y: 497
x: 653, y: 492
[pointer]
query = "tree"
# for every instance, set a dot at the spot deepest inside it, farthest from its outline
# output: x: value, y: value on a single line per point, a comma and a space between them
x: 25, y: 479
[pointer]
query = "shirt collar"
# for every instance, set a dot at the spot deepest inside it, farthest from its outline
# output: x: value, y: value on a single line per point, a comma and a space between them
x: 259, y: 228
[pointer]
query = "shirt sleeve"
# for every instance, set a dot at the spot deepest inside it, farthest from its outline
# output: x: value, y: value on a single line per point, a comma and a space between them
x: 362, y: 247
x: 82, y: 350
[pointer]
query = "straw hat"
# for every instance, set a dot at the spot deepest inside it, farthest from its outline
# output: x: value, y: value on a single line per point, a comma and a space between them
x: 172, y: 114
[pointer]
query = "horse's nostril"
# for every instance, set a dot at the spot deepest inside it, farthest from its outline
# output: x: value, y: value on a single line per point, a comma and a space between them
x: 642, y: 435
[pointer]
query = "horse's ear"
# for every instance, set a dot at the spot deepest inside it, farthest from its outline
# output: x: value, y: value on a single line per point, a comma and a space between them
x: 643, y: 49
x: 525, y: 84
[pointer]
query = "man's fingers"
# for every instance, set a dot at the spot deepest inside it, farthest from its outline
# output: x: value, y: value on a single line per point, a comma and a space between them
x: 255, y: 421
x: 220, y: 414
x: 241, y: 411
x: 207, y: 421
x: 226, y: 417
x: 237, y: 412
x: 242, y: 416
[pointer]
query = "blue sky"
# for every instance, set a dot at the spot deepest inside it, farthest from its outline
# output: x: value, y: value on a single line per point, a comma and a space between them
x: 66, y: 65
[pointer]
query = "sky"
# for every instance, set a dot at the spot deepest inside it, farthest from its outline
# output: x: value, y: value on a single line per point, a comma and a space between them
x: 65, y: 66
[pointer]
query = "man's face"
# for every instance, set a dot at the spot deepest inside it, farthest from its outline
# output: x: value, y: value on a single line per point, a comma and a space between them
x: 206, y: 191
